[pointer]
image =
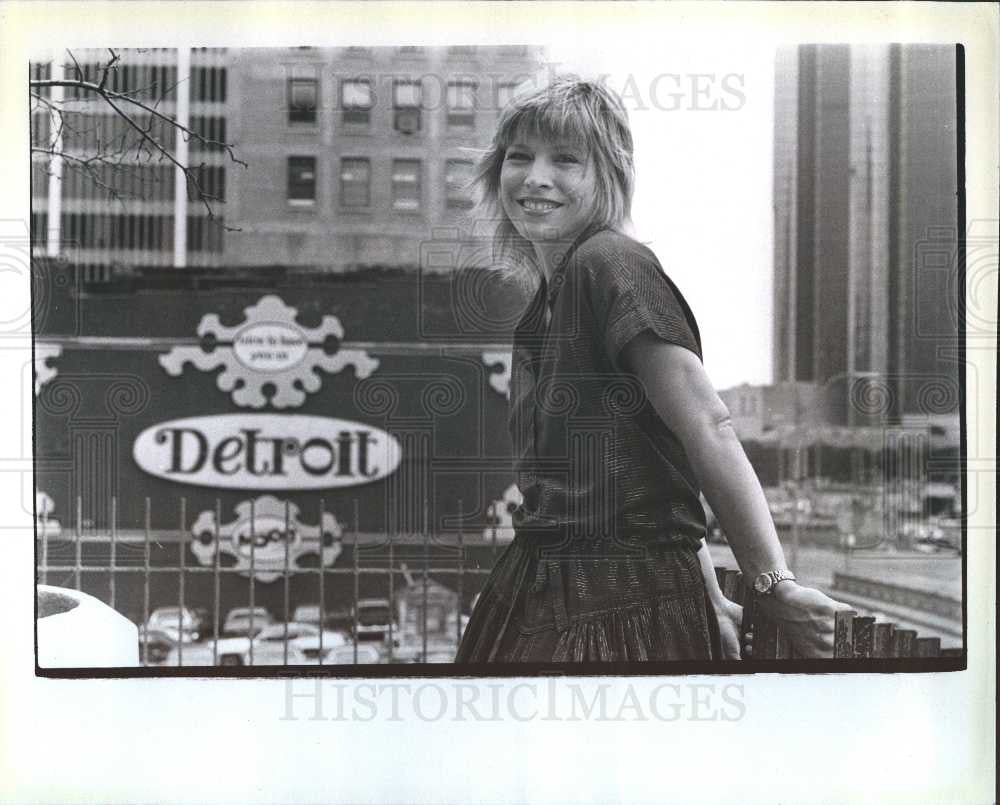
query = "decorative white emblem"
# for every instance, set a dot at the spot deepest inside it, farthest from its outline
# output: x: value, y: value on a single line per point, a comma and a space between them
x: 45, y: 524
x: 269, y: 348
x: 499, y: 512
x: 500, y: 363
x: 263, y: 524
x: 44, y: 372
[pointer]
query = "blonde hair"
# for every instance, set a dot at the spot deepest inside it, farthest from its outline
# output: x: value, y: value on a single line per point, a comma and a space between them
x: 566, y: 108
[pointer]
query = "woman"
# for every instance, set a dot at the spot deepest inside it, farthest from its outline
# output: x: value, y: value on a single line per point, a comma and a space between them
x: 615, y: 424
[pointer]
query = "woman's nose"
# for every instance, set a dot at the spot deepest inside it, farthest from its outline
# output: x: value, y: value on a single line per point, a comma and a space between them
x: 539, y: 175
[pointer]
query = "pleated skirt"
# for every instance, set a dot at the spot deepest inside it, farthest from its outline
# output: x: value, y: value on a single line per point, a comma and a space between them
x: 544, y: 603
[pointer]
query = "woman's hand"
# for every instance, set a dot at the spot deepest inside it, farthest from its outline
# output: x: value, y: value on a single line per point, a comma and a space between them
x: 730, y: 617
x: 806, y: 616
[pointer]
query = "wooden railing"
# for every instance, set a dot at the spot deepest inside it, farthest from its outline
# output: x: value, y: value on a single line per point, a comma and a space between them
x: 855, y: 637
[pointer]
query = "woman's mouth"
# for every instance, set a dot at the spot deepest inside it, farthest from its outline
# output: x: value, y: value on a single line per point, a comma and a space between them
x: 538, y: 204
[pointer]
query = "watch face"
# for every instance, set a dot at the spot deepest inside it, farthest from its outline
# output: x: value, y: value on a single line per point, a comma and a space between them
x: 762, y: 583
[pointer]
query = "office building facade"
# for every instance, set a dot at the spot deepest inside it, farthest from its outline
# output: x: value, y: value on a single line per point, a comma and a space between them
x: 353, y: 156
x: 866, y: 227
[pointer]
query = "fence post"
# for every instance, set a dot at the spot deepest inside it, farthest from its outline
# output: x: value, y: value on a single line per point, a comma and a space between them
x: 216, y: 581
x: 180, y: 588
x: 114, y: 537
x: 461, y: 574
x: 45, y: 550
x: 284, y: 645
x: 354, y: 554
x: 426, y: 563
x: 843, y: 634
x: 322, y: 572
x: 883, y: 641
x: 903, y: 642
x: 253, y: 571
x: 392, y: 599
x: 864, y: 635
x: 927, y: 647
x: 79, y: 540
x: 145, y: 586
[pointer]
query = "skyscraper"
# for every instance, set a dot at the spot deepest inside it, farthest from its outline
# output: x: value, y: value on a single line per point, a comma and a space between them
x: 866, y: 226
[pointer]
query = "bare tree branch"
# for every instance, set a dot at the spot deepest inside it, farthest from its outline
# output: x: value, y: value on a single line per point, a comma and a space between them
x: 140, y: 116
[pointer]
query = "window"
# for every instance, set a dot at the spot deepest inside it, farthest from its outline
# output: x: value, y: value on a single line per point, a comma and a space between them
x: 303, y: 99
x: 207, y: 84
x: 211, y: 128
x: 302, y: 181
x: 461, y: 105
x: 358, y: 53
x: 410, y: 50
x: 406, y: 184
x: 513, y: 51
x: 457, y: 174
x: 355, y: 182
x: 504, y: 93
x: 356, y: 101
x: 462, y: 50
x: 407, y: 97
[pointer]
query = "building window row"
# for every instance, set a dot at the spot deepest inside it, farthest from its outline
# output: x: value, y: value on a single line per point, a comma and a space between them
x: 102, y: 231
x: 86, y: 132
x: 208, y: 84
x: 355, y: 180
x: 211, y: 128
x: 139, y: 232
x: 357, y: 99
x: 128, y: 180
x: 464, y: 51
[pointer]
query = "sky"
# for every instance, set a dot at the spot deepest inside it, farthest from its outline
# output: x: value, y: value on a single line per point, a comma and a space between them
x: 703, y: 183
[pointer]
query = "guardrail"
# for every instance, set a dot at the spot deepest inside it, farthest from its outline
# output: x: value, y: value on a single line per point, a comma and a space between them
x: 855, y: 637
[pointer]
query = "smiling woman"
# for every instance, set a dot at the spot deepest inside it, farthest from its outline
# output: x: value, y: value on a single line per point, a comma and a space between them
x: 615, y: 426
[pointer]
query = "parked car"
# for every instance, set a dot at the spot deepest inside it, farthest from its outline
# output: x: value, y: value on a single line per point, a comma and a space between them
x: 155, y: 645
x: 307, y: 613
x: 374, y: 620
x: 267, y: 648
x: 238, y: 622
x: 339, y: 619
x: 180, y: 623
x: 367, y: 654
x: 410, y: 648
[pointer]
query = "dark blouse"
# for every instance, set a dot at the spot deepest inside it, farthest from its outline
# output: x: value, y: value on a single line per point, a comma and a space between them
x: 592, y: 458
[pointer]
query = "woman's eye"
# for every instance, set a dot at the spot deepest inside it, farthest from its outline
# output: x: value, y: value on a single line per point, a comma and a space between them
x: 567, y: 158
x: 516, y: 155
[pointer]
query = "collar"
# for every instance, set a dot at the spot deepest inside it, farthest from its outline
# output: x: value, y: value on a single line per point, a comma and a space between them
x: 549, y: 289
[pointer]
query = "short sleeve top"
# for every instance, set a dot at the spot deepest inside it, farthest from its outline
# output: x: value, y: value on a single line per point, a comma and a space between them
x: 592, y: 458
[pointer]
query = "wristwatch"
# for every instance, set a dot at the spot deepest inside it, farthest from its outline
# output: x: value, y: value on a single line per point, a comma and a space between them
x: 766, y: 582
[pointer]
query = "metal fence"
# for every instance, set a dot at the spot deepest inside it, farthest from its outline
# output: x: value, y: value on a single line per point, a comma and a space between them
x: 125, y: 566
x: 408, y: 577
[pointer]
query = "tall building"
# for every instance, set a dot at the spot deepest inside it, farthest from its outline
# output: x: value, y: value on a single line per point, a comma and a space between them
x: 358, y: 154
x: 866, y: 220
x: 354, y: 156
x: 110, y: 204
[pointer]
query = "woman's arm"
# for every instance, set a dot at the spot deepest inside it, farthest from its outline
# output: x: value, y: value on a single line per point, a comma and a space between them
x: 680, y: 391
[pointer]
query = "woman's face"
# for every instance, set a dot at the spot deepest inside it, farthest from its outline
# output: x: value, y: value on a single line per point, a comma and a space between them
x: 547, y: 189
